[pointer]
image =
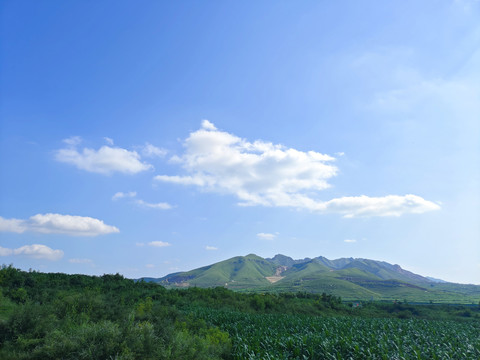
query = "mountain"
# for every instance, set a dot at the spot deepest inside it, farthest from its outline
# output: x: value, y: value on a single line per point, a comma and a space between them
x: 240, y: 272
x: 350, y: 278
x: 436, y: 280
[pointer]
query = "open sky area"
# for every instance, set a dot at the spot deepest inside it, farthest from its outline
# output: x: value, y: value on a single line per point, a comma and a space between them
x: 152, y: 137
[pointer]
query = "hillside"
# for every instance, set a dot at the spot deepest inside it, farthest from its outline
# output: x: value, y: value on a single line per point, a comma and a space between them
x: 349, y: 278
x: 240, y: 271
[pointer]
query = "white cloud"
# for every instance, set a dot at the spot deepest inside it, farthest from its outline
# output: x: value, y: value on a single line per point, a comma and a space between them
x: 121, y: 195
x: 73, y: 140
x: 5, y: 251
x: 262, y: 173
x: 258, y: 173
x: 132, y: 194
x: 365, y: 206
x: 35, y: 251
x: 150, y: 150
x: 12, y: 225
x: 150, y: 266
x: 212, y: 248
x: 350, y: 241
x: 105, y: 160
x: 266, y: 236
x: 161, y: 206
x: 159, y: 244
x: 207, y: 125
x: 108, y: 140
x: 58, y: 224
x: 183, y: 180
x: 140, y: 244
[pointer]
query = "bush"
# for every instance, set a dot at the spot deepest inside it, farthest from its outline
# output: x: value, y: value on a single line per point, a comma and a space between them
x: 86, y: 341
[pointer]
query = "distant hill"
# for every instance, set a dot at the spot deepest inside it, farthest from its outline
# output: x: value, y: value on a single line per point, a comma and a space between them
x: 436, y: 280
x: 350, y: 278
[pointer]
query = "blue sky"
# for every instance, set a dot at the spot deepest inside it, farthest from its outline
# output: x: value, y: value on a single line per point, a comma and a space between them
x: 154, y: 138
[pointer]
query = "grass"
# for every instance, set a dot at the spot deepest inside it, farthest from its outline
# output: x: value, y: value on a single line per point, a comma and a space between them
x: 351, y: 279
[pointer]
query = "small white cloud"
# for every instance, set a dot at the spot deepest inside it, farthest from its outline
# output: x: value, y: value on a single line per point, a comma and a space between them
x: 108, y: 140
x: 12, y: 225
x: 73, y: 140
x: 139, y: 202
x: 5, y: 251
x: 121, y: 195
x: 159, y: 244
x: 266, y: 236
x: 365, y: 206
x: 211, y: 248
x: 81, y: 261
x: 140, y: 244
x: 150, y: 150
x: 71, y: 225
x: 350, y: 240
x: 150, y: 266
x: 161, y: 206
x: 207, y: 125
x: 58, y: 224
x: 105, y: 160
x: 35, y: 251
x: 183, y: 180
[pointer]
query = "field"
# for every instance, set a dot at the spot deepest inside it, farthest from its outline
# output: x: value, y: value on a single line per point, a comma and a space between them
x: 277, y: 336
x: 59, y: 316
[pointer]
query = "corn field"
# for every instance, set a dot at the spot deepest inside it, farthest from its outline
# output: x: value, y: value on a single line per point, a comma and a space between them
x: 274, y: 336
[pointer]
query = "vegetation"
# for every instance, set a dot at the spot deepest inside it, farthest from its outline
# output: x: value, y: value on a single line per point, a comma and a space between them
x: 267, y: 336
x: 59, y: 316
x: 351, y: 279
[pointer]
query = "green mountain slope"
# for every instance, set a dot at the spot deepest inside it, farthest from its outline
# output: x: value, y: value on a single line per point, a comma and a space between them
x: 237, y: 272
x: 349, y: 278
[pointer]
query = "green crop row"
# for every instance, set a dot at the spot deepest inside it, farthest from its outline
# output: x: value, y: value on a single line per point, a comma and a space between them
x: 277, y: 336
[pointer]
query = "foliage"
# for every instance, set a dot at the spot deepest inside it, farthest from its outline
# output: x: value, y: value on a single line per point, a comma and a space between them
x: 351, y: 279
x: 268, y: 336
x: 62, y: 316
x: 59, y: 316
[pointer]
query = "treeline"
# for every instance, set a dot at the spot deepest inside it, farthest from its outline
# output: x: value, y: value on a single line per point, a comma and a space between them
x: 59, y: 316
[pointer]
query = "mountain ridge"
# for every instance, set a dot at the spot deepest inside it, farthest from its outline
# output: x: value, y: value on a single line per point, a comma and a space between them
x: 350, y: 278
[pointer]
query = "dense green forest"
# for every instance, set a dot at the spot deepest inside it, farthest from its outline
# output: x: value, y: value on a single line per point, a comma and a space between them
x: 59, y: 316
